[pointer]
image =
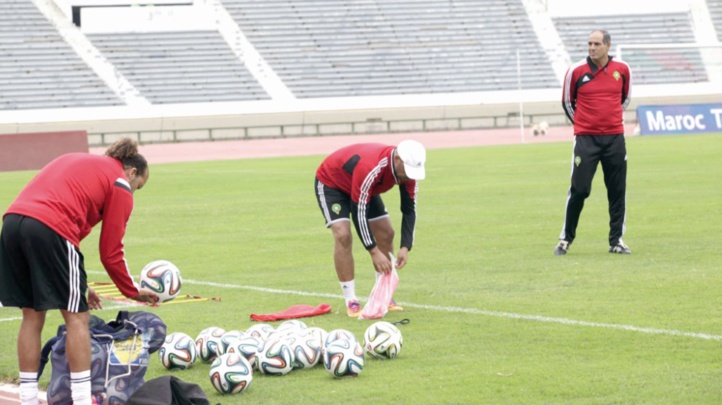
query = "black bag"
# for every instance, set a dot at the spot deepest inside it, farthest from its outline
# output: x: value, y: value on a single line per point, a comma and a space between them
x: 168, y: 390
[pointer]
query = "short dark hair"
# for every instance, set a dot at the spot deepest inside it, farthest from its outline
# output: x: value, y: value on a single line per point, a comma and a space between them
x: 606, y: 38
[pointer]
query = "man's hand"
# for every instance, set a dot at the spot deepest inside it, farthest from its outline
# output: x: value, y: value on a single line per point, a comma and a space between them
x: 382, y: 264
x: 94, y: 299
x: 402, y: 257
x: 146, y: 295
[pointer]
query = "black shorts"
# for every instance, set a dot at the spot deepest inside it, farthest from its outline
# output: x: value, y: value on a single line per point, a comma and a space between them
x: 336, y: 205
x: 40, y: 269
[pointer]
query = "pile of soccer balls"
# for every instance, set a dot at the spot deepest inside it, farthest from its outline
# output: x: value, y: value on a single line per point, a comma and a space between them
x: 234, y: 355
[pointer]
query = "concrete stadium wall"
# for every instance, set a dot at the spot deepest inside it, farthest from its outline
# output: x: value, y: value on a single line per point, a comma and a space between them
x: 247, y: 120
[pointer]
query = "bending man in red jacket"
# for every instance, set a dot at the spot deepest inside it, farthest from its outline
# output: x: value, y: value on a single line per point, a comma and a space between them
x: 596, y: 91
x: 349, y: 183
x: 41, y: 267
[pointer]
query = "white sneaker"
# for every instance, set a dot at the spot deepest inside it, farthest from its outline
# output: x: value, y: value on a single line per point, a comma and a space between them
x: 620, y: 248
x: 562, y: 248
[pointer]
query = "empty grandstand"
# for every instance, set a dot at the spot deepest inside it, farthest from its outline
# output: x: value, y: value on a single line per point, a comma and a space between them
x: 334, y: 48
x: 650, y: 66
x: 179, y: 67
x: 38, y: 69
x: 319, y: 67
x: 715, y: 12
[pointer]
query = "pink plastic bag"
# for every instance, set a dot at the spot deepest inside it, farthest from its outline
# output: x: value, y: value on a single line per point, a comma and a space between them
x: 381, y: 295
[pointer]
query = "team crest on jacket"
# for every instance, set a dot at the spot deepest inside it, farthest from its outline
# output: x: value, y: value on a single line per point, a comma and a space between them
x: 616, y: 75
x: 336, y: 208
x: 577, y: 160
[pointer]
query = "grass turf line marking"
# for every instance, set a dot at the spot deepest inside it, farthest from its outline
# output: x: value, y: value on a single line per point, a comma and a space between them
x: 105, y: 308
x: 498, y: 314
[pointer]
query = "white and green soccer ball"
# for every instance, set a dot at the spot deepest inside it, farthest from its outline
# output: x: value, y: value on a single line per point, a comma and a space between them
x: 230, y: 373
x: 178, y: 351
x: 275, y: 357
x: 344, y: 358
x: 163, y: 278
x: 383, y: 340
x: 209, y: 344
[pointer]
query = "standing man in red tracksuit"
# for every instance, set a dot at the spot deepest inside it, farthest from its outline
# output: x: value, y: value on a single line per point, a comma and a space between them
x: 349, y: 183
x: 595, y: 94
x: 41, y: 266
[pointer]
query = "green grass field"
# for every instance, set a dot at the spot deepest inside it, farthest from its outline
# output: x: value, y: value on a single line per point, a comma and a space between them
x: 496, y: 318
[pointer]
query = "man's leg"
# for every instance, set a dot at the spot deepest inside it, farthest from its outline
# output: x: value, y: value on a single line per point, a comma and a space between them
x: 383, y: 232
x: 343, y: 261
x: 77, y: 350
x: 29, y: 346
x: 584, y: 165
x: 335, y: 207
x: 614, y: 165
x: 55, y: 270
x: 343, y: 250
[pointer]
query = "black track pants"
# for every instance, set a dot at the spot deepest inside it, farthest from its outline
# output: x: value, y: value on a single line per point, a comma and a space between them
x: 589, y: 150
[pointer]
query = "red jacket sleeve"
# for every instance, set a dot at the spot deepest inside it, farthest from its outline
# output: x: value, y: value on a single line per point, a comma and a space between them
x: 116, y: 212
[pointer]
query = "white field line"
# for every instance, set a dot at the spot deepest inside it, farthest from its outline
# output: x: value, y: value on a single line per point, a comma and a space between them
x: 498, y: 314
x: 105, y: 308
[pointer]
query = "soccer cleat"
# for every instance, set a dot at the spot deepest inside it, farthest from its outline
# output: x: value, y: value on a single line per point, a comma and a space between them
x: 620, y: 248
x: 393, y: 307
x: 353, y: 309
x: 561, y: 248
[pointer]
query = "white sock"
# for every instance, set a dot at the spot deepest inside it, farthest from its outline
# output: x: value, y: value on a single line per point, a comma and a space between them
x: 349, y: 290
x: 28, y: 388
x: 80, y: 387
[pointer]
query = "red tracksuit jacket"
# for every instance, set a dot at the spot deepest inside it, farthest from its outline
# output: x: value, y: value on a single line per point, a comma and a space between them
x: 365, y: 170
x: 594, y: 99
x: 72, y: 194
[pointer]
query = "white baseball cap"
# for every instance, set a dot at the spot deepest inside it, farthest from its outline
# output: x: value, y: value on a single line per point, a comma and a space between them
x: 413, y: 154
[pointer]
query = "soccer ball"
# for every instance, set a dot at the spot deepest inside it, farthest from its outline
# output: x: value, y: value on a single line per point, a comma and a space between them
x: 383, y: 340
x: 260, y: 331
x: 230, y: 336
x: 287, y: 333
x: 275, y: 357
x: 291, y: 325
x: 337, y: 334
x: 247, y: 346
x: 344, y: 358
x: 230, y: 373
x: 178, y: 351
x: 306, y: 350
x: 163, y: 278
x: 543, y: 126
x: 540, y: 128
x: 209, y: 344
x: 319, y: 334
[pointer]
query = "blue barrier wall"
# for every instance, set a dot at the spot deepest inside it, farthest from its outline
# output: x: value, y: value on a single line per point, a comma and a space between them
x: 679, y: 119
